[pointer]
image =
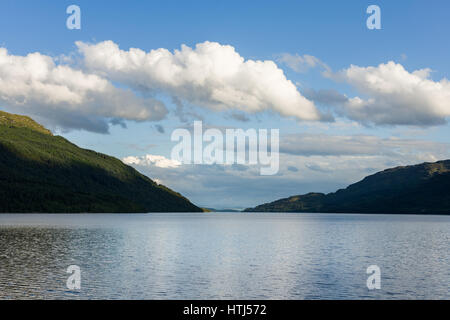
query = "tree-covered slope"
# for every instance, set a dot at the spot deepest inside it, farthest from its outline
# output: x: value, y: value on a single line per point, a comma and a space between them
x: 422, y: 188
x: 40, y: 172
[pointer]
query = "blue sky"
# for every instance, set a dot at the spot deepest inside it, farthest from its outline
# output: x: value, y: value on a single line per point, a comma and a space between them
x: 414, y: 35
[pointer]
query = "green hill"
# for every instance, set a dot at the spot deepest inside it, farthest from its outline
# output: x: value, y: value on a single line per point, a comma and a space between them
x: 422, y: 188
x: 40, y: 172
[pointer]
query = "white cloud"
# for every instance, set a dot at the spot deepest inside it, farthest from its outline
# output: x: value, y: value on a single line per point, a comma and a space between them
x: 152, y: 160
x: 210, y: 75
x: 302, y: 63
x: 66, y: 97
x: 396, y: 96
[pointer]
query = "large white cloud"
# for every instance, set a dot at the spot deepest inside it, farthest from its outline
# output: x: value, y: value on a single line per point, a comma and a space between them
x: 210, y: 75
x: 396, y: 96
x: 67, y: 97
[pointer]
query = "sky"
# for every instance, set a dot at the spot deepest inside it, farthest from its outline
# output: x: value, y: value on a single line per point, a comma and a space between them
x: 348, y: 101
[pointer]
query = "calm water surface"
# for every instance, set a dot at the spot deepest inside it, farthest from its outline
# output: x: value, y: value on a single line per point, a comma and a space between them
x: 224, y: 256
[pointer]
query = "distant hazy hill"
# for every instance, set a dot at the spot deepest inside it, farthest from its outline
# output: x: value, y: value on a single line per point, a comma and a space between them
x: 40, y: 172
x: 220, y: 210
x: 422, y: 188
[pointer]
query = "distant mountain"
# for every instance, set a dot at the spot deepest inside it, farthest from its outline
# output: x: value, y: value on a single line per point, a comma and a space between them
x: 417, y: 189
x: 220, y: 210
x: 40, y: 172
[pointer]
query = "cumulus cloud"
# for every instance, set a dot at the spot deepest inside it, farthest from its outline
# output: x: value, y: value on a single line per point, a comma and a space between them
x: 152, y: 160
x: 302, y: 63
x: 210, y: 75
x: 116, y: 85
x: 67, y: 97
x: 396, y: 96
